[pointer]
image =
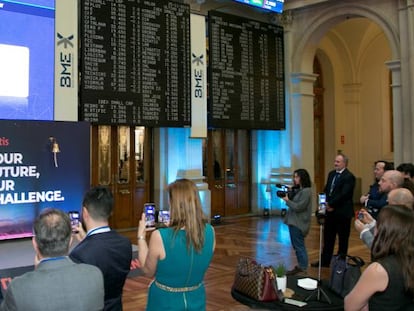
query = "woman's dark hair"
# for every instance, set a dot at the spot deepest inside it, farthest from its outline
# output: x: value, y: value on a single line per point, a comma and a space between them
x: 406, y: 168
x: 388, y: 166
x: 395, y: 236
x: 303, y: 174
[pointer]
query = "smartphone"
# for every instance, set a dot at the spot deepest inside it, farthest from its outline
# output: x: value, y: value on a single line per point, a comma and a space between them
x: 149, y: 210
x: 164, y: 217
x: 74, y: 220
x: 321, y: 198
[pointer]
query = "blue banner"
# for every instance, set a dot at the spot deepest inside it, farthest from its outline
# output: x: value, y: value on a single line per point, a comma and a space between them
x: 42, y: 164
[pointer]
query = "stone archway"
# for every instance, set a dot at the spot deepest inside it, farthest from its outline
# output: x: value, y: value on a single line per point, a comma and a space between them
x: 305, y: 45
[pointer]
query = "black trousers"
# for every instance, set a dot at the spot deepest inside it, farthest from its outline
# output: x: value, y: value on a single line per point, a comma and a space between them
x: 335, y: 225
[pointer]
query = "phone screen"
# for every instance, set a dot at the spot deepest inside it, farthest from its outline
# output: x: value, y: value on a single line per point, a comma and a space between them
x: 74, y: 220
x: 149, y: 210
x: 164, y: 217
x: 322, y: 198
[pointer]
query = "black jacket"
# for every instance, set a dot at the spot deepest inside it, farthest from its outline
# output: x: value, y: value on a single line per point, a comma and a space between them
x: 341, y: 198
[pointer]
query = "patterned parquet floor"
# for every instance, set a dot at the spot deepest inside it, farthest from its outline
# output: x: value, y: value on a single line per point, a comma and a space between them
x: 264, y: 238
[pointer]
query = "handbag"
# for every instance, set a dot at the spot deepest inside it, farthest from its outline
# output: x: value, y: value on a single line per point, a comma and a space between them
x: 345, y: 273
x: 255, y: 280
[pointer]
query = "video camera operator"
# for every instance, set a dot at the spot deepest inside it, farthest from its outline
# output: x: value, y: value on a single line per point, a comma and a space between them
x: 298, y: 216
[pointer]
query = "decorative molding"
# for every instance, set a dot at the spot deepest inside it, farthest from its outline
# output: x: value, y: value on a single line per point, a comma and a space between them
x: 285, y: 19
x: 352, y: 93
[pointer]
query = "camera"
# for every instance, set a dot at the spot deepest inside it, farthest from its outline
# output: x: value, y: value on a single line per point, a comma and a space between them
x: 290, y: 192
x: 360, y: 215
x: 281, y: 193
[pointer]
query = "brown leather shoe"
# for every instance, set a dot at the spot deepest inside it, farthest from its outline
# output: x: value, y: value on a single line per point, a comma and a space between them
x: 295, y: 270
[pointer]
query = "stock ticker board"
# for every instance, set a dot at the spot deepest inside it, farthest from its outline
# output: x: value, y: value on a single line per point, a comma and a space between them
x: 135, y: 63
x: 246, y: 73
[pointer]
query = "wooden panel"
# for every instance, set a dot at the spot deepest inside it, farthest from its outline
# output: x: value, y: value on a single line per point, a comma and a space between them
x: 243, y: 197
x: 217, y: 199
x: 139, y: 201
x: 122, y: 215
x: 227, y: 171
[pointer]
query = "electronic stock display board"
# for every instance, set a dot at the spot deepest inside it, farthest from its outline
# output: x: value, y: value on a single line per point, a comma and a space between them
x: 246, y: 73
x: 135, y: 63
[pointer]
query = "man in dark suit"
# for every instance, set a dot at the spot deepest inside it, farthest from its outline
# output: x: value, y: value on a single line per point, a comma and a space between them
x: 339, y: 191
x: 57, y: 283
x: 102, y: 247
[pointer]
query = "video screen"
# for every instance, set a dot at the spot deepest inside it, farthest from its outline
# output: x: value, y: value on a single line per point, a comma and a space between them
x: 27, y: 59
x: 42, y: 164
x: 271, y: 5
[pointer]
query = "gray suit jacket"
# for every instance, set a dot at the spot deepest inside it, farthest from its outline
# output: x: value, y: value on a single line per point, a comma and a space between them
x: 56, y: 284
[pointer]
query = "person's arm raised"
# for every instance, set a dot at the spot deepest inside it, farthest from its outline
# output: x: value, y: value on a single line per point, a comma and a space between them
x: 148, y: 255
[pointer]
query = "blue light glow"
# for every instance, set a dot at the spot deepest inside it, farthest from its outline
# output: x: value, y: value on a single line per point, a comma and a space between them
x: 272, y: 153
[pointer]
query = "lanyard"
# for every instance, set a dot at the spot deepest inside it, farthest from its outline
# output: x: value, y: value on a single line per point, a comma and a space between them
x: 52, y: 259
x: 98, y: 230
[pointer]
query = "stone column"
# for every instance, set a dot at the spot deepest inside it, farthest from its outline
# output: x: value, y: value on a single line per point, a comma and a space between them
x: 395, y: 68
x: 301, y: 121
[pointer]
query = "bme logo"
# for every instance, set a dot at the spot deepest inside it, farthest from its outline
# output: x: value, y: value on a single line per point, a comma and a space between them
x: 4, y: 141
x: 198, y: 76
x: 65, y: 60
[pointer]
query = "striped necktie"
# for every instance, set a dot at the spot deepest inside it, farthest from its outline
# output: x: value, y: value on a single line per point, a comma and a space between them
x: 334, y: 180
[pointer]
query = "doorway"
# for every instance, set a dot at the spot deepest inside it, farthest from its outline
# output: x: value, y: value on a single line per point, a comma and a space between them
x: 121, y: 161
x: 318, y: 126
x: 226, y: 158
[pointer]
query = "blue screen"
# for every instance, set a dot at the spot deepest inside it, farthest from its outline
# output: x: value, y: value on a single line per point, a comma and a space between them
x: 27, y: 59
x: 35, y: 175
x: 270, y: 5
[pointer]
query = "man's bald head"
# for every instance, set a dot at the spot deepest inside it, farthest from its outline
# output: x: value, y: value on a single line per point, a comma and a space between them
x: 391, y: 180
x: 401, y: 196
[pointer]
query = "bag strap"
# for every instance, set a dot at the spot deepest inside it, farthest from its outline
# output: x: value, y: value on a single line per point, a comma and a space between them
x: 357, y: 260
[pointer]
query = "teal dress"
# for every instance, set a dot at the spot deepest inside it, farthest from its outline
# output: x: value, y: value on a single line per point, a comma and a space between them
x: 178, y: 283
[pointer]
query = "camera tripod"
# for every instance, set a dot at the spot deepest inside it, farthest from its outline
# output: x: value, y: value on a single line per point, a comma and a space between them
x: 318, y: 291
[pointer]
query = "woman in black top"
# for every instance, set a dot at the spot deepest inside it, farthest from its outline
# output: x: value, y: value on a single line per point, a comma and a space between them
x: 388, y: 283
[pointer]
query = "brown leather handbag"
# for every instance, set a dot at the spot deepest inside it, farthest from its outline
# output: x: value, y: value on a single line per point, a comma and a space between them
x: 255, y: 280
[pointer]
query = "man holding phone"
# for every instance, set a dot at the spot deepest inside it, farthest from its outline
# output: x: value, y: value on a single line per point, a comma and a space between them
x: 102, y: 247
x: 339, y: 191
x: 57, y: 283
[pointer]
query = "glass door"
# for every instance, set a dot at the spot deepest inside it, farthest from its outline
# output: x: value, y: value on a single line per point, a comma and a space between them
x: 226, y: 165
x: 120, y: 162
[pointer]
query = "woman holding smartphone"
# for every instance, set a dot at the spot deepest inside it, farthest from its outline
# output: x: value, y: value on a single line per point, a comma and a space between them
x: 179, y: 255
x: 298, y: 217
x: 387, y: 284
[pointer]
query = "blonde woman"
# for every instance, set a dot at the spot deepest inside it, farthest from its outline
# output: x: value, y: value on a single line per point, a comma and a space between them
x: 178, y: 256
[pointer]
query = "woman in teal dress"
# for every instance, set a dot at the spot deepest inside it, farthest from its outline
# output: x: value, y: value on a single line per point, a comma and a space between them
x: 179, y: 255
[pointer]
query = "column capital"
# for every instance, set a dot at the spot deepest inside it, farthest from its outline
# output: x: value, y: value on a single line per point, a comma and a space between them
x: 302, y: 83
